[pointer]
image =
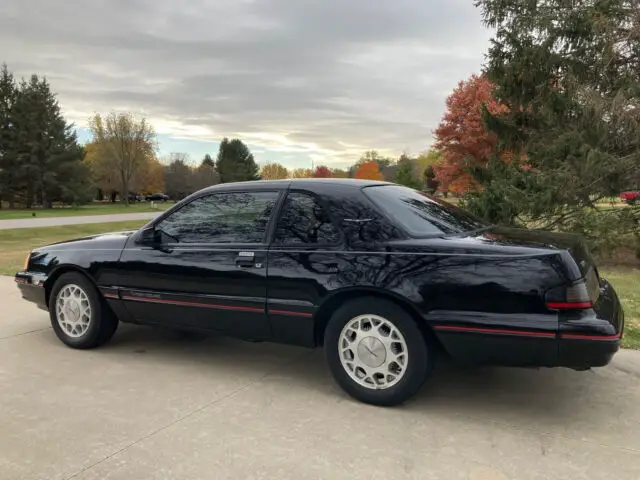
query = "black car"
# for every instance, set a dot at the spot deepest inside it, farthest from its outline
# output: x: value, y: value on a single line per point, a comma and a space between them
x: 157, y: 197
x: 384, y: 277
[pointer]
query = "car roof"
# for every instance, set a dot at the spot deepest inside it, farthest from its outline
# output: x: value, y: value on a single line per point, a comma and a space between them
x: 294, y: 182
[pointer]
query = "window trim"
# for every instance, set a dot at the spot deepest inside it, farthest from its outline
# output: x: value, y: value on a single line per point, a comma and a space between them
x: 327, y: 211
x: 280, y: 193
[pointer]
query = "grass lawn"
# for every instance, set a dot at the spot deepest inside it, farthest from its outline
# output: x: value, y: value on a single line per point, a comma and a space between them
x: 626, y: 281
x: 15, y: 243
x: 89, y: 209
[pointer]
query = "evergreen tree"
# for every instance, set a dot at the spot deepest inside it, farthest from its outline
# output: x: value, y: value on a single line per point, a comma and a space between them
x: 208, y: 161
x: 8, y: 167
x: 404, y: 174
x: 235, y: 162
x: 567, y: 71
x: 48, y: 155
x: 431, y: 184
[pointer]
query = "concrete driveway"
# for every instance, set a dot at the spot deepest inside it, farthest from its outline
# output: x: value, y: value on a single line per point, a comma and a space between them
x: 156, y: 405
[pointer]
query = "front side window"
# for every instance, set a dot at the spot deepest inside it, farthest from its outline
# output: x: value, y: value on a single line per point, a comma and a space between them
x: 419, y: 214
x: 234, y: 217
x: 304, y: 221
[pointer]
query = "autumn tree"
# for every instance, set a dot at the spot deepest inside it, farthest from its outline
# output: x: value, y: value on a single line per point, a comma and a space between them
x: 462, y: 137
x: 321, y: 171
x: 105, y: 177
x: 301, y: 173
x: 274, y: 171
x: 126, y: 144
x: 150, y: 177
x: 385, y: 164
x: 368, y: 170
x: 235, y: 162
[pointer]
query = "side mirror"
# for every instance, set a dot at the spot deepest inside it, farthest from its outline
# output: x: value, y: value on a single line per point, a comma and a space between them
x: 149, y: 236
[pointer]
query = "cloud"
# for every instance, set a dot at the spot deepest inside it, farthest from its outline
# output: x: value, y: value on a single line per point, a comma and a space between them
x: 320, y: 79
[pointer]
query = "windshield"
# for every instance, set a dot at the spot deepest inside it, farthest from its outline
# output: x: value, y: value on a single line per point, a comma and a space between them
x: 421, y: 214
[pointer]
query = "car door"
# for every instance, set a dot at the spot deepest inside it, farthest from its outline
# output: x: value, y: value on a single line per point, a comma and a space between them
x: 206, y: 267
x: 304, y: 260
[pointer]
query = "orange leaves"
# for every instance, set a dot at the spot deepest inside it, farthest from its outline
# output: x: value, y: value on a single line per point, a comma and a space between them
x: 369, y: 171
x: 322, y: 172
x: 462, y: 136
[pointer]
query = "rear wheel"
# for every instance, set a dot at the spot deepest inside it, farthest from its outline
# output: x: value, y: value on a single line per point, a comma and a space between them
x: 79, y: 316
x: 376, y: 352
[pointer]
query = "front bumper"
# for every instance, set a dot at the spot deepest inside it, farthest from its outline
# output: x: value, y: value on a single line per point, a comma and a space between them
x: 32, y: 288
x: 590, y: 338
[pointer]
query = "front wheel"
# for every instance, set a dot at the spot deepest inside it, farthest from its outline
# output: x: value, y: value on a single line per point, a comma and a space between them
x: 79, y: 316
x: 376, y: 352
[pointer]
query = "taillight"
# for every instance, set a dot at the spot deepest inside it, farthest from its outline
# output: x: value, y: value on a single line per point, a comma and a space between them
x: 574, y: 296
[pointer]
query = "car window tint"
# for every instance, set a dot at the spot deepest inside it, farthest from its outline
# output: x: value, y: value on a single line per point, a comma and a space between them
x: 222, y: 218
x: 303, y: 221
x: 420, y: 214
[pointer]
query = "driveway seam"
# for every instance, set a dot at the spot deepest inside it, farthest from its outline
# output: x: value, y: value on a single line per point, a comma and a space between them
x: 188, y: 415
x: 25, y: 333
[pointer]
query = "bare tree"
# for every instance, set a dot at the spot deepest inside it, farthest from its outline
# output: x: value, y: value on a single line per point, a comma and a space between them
x: 126, y: 143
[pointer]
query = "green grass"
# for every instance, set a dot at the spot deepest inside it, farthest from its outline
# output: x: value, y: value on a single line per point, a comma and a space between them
x: 16, y: 242
x: 626, y: 281
x: 89, y: 209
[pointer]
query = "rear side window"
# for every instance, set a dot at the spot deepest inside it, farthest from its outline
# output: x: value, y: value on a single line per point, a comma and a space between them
x: 421, y: 215
x: 238, y: 217
x: 304, y: 222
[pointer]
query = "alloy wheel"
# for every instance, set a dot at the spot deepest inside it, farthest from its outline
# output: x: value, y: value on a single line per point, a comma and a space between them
x: 373, y: 351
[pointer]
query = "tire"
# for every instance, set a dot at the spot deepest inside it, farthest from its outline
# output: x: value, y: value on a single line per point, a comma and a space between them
x: 81, y: 331
x: 394, y: 331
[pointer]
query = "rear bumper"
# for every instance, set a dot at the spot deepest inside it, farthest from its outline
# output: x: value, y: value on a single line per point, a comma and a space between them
x: 31, y: 288
x: 590, y: 338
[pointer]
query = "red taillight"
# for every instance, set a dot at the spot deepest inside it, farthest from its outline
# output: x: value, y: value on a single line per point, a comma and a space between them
x: 571, y: 297
x: 569, y: 305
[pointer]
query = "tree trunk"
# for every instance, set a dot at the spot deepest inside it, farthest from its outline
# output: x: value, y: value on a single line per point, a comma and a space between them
x: 12, y: 202
x: 113, y: 196
x: 125, y: 193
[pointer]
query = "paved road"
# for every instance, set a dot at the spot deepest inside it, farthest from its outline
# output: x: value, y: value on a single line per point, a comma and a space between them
x: 55, y: 221
x: 154, y: 405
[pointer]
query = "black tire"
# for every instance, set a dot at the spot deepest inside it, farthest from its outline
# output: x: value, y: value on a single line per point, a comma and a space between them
x: 102, y: 323
x: 420, y: 347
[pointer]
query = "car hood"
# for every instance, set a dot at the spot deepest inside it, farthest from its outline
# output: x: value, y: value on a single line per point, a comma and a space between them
x: 112, y: 240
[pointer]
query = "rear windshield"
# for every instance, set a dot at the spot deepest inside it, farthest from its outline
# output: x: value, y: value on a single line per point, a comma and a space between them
x: 419, y: 213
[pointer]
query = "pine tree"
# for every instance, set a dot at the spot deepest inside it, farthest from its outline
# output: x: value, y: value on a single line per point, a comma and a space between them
x: 235, y: 162
x: 568, y: 75
x: 48, y: 158
x: 7, y: 136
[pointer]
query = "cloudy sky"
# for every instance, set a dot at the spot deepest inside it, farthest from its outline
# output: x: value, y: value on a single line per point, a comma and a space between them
x: 299, y: 80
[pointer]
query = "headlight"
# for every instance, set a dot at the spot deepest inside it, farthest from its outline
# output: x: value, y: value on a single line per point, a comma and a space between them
x: 26, y: 261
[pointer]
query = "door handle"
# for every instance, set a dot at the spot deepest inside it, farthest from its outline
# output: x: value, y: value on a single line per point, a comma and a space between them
x: 245, y: 259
